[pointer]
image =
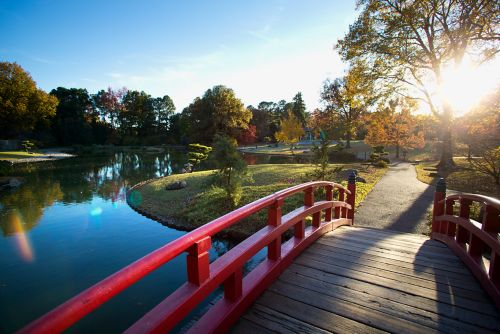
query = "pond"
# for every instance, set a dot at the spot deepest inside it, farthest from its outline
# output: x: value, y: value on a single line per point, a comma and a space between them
x: 69, y: 226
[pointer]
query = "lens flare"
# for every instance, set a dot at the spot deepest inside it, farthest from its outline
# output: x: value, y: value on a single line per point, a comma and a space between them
x: 96, y: 212
x: 22, y: 241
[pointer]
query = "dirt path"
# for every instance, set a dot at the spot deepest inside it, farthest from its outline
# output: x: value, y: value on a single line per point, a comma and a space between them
x: 397, y: 202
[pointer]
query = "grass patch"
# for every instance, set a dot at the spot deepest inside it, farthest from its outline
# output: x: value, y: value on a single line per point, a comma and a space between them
x: 15, y: 155
x: 462, y: 178
x: 199, y: 202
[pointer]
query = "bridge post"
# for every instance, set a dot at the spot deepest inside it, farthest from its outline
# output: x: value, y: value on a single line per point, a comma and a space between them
x: 351, y: 198
x: 274, y: 219
x: 438, y: 207
x: 198, y: 261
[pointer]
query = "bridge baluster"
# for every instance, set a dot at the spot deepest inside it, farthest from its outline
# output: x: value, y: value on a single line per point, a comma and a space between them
x: 462, y: 233
x: 447, y: 227
x: 198, y: 261
x: 274, y: 219
x: 329, y: 197
x: 233, y: 285
x: 340, y: 212
x: 438, y: 208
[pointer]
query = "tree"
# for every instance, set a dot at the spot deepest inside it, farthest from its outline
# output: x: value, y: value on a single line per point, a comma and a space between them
x: 348, y: 98
x: 488, y: 163
x: 395, y: 126
x: 109, y: 103
x: 138, y: 119
x: 22, y: 104
x: 299, y: 108
x: 232, y: 169
x: 480, y: 128
x: 72, y: 123
x: 408, y: 44
x: 248, y: 136
x: 217, y: 112
x: 163, y: 108
x: 291, y: 131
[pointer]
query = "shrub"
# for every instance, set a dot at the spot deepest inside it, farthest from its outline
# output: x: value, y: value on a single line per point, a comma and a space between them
x: 342, y: 156
x: 232, y: 169
x: 380, y: 164
x: 321, y: 159
x: 198, y: 153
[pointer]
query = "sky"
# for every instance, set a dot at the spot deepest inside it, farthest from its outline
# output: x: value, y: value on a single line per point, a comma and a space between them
x: 265, y: 50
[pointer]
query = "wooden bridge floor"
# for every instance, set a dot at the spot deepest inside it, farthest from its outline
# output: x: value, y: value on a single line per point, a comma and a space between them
x: 360, y: 280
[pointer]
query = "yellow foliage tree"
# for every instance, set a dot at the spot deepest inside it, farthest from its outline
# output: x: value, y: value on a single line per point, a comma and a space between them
x: 291, y: 131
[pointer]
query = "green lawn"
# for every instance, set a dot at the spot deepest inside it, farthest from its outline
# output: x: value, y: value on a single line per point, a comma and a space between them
x: 462, y: 178
x: 199, y: 202
x: 15, y: 155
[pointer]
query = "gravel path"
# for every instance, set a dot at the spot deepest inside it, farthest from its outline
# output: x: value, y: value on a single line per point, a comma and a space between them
x: 397, y: 202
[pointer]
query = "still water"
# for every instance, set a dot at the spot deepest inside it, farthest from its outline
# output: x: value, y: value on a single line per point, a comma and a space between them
x: 69, y: 226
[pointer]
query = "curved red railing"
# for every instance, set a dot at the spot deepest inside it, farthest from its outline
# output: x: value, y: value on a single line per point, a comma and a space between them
x: 205, y: 277
x: 470, y: 239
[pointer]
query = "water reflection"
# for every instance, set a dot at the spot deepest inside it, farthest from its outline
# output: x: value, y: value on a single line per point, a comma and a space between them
x: 78, y: 180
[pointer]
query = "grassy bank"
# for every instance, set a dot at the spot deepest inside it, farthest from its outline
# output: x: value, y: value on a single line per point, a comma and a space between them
x: 200, y: 203
x: 16, y: 155
x: 462, y: 178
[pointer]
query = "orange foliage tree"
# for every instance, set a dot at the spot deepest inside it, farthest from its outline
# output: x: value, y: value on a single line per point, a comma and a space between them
x: 395, y: 126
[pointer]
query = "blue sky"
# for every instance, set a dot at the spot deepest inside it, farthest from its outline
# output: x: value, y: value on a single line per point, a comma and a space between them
x: 264, y: 50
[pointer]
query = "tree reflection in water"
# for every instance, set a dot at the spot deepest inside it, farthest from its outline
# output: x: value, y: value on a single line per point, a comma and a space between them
x: 78, y: 180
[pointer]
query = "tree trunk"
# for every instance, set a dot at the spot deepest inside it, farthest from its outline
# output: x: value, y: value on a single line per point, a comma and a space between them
x: 397, y: 151
x: 348, y: 139
x: 446, y: 161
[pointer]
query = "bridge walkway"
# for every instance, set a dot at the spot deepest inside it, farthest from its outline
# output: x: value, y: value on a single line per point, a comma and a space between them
x: 362, y: 280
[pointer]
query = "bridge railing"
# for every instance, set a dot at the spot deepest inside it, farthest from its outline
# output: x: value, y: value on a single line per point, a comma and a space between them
x: 477, y: 243
x: 204, y: 277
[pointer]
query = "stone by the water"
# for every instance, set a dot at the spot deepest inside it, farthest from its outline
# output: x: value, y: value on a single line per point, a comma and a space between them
x: 14, y: 183
x: 176, y: 185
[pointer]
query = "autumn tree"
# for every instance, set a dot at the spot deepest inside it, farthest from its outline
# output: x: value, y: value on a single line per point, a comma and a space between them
x: 109, y: 103
x: 408, y: 44
x: 348, y: 98
x: 394, y: 126
x: 22, y: 104
x: 219, y: 111
x: 248, y: 136
x: 291, y: 131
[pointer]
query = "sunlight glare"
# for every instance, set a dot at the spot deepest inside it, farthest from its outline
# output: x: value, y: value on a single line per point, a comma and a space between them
x: 464, y: 86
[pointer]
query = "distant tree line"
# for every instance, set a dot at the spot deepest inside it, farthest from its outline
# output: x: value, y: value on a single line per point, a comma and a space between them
x: 73, y: 116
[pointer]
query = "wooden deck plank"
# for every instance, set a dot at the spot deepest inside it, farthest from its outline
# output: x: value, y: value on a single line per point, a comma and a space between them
x: 416, y: 258
x: 277, y: 322
x: 419, y: 268
x: 395, y: 281
x: 312, y: 315
x: 379, y: 247
x: 385, y: 270
x: 399, y: 310
x: 445, y: 309
x: 367, y: 280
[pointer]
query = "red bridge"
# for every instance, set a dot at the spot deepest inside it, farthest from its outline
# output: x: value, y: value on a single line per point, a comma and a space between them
x: 346, y: 279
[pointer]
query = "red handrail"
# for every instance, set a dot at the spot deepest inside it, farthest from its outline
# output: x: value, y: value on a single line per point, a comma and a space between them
x: 467, y: 238
x: 203, y: 277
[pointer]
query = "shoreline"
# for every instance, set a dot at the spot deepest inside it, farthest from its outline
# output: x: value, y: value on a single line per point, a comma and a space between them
x: 180, y: 225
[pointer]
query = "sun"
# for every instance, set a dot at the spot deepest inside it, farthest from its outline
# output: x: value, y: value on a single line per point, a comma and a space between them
x: 465, y: 85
